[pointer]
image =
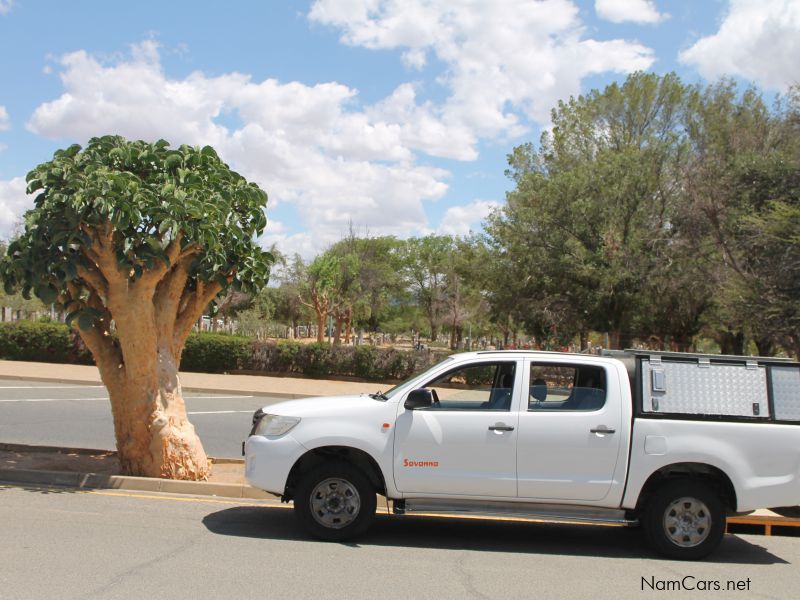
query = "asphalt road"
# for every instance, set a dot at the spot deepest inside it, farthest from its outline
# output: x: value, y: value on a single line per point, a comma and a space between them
x: 79, y: 416
x: 110, y: 544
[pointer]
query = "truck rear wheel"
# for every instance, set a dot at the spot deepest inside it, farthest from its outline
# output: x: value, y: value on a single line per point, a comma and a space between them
x: 335, y: 502
x: 684, y: 519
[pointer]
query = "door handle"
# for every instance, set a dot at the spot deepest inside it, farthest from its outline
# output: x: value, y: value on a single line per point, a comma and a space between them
x: 500, y: 428
x: 602, y: 429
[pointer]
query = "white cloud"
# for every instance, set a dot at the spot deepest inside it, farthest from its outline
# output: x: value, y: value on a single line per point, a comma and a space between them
x: 758, y: 40
x: 5, y: 122
x: 309, y: 145
x: 503, y: 57
x: 460, y: 220
x: 636, y: 11
x: 5, y: 6
x: 13, y: 204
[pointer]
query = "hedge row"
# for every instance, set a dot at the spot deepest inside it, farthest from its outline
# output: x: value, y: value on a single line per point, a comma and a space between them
x: 42, y: 342
x: 215, y: 353
x: 321, y: 360
x: 218, y: 353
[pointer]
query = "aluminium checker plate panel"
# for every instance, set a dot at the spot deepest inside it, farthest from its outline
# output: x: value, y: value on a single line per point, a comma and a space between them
x: 786, y: 392
x: 704, y: 389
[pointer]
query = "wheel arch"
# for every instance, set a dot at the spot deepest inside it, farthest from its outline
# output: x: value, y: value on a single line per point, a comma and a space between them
x: 703, y: 472
x: 354, y: 456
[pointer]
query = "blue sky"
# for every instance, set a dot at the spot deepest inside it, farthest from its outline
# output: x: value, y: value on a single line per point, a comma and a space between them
x: 393, y: 115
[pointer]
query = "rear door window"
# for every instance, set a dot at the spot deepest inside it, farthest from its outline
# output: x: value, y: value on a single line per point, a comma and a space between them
x: 566, y: 387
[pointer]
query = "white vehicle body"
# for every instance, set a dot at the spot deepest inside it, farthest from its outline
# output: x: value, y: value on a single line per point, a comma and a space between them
x: 535, y: 456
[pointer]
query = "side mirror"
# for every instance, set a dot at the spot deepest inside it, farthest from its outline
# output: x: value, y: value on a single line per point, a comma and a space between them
x: 420, y: 398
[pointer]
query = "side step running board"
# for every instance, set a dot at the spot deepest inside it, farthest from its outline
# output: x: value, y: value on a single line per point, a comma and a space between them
x: 552, y: 513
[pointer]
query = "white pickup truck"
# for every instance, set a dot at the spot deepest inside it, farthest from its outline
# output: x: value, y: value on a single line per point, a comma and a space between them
x: 673, y: 442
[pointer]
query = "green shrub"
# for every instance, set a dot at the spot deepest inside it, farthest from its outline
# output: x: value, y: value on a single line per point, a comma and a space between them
x: 42, y: 342
x: 364, y: 362
x: 318, y: 360
x: 278, y: 358
x: 215, y: 353
x: 322, y: 360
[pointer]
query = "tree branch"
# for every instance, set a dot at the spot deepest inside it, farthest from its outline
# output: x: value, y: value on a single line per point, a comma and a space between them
x: 170, y: 294
x: 154, y: 275
x: 204, y: 294
x: 95, y: 279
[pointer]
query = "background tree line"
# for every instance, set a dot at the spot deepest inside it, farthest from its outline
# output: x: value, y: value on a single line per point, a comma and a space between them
x: 653, y: 210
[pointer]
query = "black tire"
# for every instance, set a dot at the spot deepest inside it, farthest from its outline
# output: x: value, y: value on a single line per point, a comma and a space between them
x: 684, y: 519
x: 335, y: 502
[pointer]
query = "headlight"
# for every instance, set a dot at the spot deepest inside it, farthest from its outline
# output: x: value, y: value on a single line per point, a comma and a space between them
x: 274, y: 425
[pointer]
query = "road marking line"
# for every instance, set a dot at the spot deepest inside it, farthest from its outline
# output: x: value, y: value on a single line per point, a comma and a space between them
x: 235, y: 502
x: 106, y: 398
x: 51, y: 399
x: 218, y: 412
x: 213, y: 397
x: 379, y: 509
x: 47, y: 387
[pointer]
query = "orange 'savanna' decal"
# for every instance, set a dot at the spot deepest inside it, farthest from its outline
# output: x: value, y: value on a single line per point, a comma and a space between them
x: 420, y: 463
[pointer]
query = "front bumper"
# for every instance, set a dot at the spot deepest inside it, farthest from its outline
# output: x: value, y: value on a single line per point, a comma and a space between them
x: 268, y: 461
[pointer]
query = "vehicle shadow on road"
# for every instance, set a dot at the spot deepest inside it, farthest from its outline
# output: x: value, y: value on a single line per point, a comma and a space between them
x: 478, y: 535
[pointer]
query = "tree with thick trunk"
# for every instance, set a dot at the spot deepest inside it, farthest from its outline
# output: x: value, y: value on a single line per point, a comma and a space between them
x: 319, y: 288
x: 133, y: 241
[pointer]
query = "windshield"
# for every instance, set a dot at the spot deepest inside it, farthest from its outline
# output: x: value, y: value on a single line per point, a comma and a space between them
x: 410, y: 384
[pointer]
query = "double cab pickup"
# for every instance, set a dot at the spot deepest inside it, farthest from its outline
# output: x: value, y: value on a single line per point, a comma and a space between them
x: 671, y: 442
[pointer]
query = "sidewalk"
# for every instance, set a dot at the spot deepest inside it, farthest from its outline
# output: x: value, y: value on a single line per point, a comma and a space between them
x: 88, y: 468
x: 281, y: 387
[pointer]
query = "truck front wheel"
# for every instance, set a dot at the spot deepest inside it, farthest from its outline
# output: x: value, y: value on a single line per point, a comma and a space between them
x: 684, y: 519
x: 335, y: 502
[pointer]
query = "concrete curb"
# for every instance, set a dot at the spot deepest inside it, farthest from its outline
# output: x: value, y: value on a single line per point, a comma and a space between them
x: 43, y: 379
x: 125, y: 482
x: 8, y: 447
x: 216, y: 390
x: 54, y: 449
x: 186, y: 388
x: 122, y: 482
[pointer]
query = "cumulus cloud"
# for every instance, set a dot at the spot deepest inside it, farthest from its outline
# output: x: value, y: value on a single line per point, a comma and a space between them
x: 5, y: 122
x: 313, y: 146
x: 503, y: 57
x: 758, y: 40
x: 460, y: 220
x: 13, y: 204
x: 636, y: 11
x: 5, y: 6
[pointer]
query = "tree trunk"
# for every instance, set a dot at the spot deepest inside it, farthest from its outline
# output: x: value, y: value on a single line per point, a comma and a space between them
x: 765, y: 345
x: 320, y: 327
x: 348, y: 326
x: 337, y: 332
x: 792, y: 345
x: 154, y: 435
x: 731, y: 342
x: 613, y: 339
